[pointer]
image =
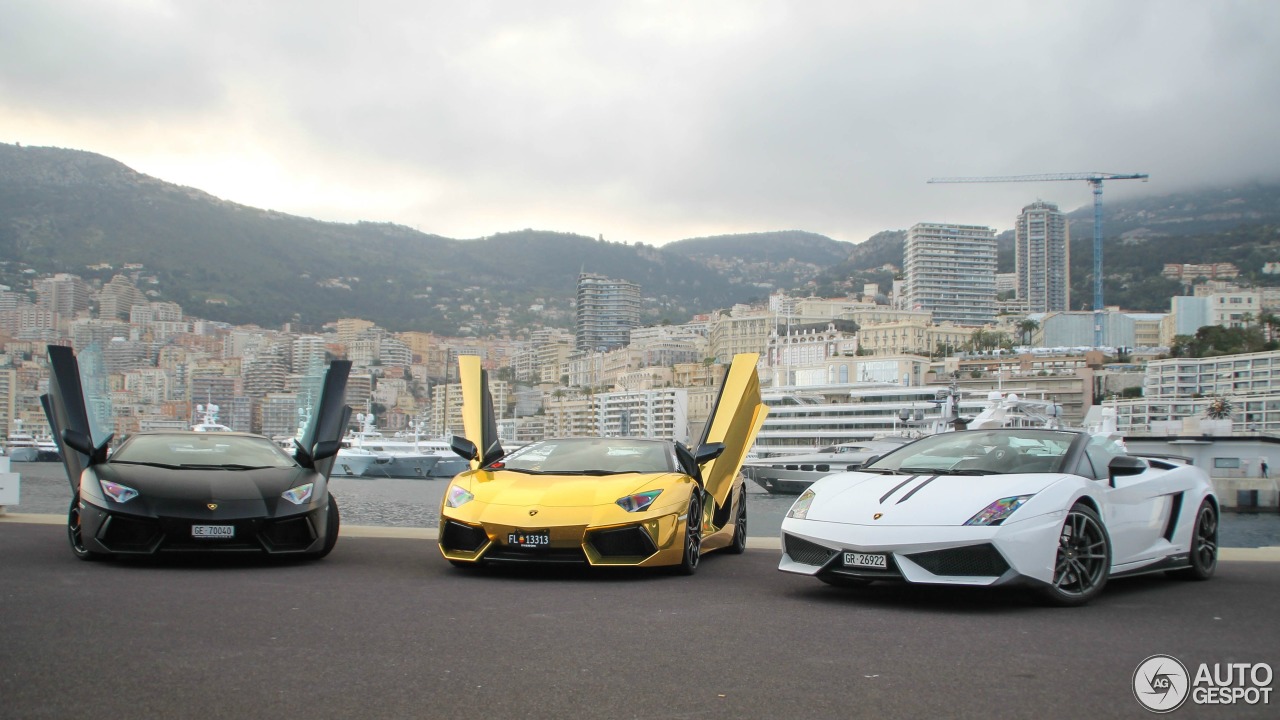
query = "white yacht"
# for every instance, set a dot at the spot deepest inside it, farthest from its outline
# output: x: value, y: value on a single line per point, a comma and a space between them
x: 869, y: 422
x: 368, y: 453
x: 22, y: 446
x: 209, y: 420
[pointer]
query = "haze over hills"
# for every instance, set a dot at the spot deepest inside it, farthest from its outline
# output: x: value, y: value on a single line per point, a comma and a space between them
x: 68, y: 211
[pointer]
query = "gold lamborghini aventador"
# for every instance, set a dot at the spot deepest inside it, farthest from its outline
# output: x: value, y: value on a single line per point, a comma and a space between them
x: 601, y: 501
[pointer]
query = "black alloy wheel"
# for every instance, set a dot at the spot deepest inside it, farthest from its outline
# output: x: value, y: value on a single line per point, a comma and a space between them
x: 739, y: 544
x: 692, y: 536
x: 1083, y: 561
x: 333, y: 521
x: 75, y: 534
x: 1204, y: 545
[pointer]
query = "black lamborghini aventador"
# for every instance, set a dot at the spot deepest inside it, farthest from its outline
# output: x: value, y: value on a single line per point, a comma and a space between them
x: 190, y: 491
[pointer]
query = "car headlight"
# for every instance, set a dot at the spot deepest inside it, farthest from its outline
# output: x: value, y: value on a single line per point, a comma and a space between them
x: 458, y: 496
x: 996, y: 512
x: 800, y: 509
x: 116, y: 491
x: 638, y: 501
x: 300, y: 494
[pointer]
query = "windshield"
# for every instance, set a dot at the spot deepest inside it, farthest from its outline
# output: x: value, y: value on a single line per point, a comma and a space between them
x: 202, y: 450
x: 592, y: 456
x: 981, y: 452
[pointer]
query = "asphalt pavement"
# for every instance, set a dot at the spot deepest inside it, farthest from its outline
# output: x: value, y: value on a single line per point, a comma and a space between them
x: 386, y: 628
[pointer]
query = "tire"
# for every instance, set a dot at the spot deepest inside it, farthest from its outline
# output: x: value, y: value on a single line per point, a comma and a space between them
x: 692, y: 536
x: 739, y: 543
x: 74, y: 536
x: 1083, y: 561
x: 1204, y: 545
x: 333, y: 522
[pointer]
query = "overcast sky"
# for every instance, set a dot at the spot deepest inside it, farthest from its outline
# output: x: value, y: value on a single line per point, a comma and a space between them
x: 649, y: 121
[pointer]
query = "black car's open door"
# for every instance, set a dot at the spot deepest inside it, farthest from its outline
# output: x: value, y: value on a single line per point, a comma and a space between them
x: 328, y: 420
x: 478, y: 419
x: 69, y: 420
x: 735, y: 420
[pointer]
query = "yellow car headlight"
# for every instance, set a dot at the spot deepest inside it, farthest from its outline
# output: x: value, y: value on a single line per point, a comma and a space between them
x: 458, y: 496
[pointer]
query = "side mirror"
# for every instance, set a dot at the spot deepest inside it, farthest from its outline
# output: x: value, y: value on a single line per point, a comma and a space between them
x: 1125, y: 465
x: 326, y: 449
x: 78, y: 441
x: 873, y: 458
x: 707, y: 453
x: 464, y: 448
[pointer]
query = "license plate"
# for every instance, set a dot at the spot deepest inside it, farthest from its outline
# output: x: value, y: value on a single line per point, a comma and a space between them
x: 530, y: 538
x: 864, y: 560
x: 213, y: 531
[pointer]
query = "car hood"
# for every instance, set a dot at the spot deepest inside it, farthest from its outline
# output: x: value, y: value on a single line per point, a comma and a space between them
x: 506, y: 487
x: 941, y: 500
x: 222, y: 485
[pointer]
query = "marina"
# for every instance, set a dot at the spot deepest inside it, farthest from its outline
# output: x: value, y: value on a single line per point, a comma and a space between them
x: 415, y: 503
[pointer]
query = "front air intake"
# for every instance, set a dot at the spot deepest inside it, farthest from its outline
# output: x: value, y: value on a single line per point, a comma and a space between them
x: 805, y: 552
x: 463, y: 538
x: 970, y: 561
x: 623, y: 542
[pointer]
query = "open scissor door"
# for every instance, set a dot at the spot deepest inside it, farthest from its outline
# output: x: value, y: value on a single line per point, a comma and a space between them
x: 735, y: 420
x: 478, y: 420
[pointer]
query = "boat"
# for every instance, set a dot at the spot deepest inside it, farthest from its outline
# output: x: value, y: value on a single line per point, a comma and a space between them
x: 368, y: 453
x: 793, y: 473
x: 209, y: 420
x: 22, y: 446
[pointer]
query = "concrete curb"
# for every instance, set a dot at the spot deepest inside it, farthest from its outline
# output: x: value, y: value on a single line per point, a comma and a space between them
x: 1259, y: 554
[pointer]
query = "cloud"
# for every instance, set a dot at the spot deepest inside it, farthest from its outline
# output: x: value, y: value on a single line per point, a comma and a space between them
x: 648, y: 121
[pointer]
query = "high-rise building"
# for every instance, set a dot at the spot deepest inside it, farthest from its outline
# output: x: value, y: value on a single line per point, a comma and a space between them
x: 608, y: 309
x: 951, y: 272
x: 1043, y: 258
x: 65, y: 294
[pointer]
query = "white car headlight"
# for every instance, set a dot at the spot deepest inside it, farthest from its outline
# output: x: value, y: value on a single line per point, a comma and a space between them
x: 800, y: 509
x: 996, y: 512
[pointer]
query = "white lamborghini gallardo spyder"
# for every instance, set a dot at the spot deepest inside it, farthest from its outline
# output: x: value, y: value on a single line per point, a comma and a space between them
x: 1061, y: 510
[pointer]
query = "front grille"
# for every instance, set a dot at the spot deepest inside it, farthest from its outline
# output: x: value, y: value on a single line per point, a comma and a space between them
x: 464, y: 538
x: 292, y: 534
x: 126, y: 534
x: 623, y: 542
x: 510, y: 553
x: 971, y: 561
x: 803, y: 551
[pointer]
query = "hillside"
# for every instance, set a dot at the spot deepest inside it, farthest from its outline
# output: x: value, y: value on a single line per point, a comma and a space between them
x: 68, y: 210
x: 72, y: 211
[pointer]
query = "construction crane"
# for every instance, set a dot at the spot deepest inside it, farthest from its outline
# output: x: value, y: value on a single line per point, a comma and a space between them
x: 1095, y: 180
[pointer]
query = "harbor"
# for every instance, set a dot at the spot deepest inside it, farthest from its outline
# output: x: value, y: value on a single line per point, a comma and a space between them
x: 415, y: 503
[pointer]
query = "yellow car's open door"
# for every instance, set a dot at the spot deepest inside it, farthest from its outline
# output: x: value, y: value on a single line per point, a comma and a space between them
x: 478, y: 420
x: 735, y: 420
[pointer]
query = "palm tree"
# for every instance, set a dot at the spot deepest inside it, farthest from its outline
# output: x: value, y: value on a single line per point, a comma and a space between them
x: 1028, y: 328
x: 1219, y: 408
